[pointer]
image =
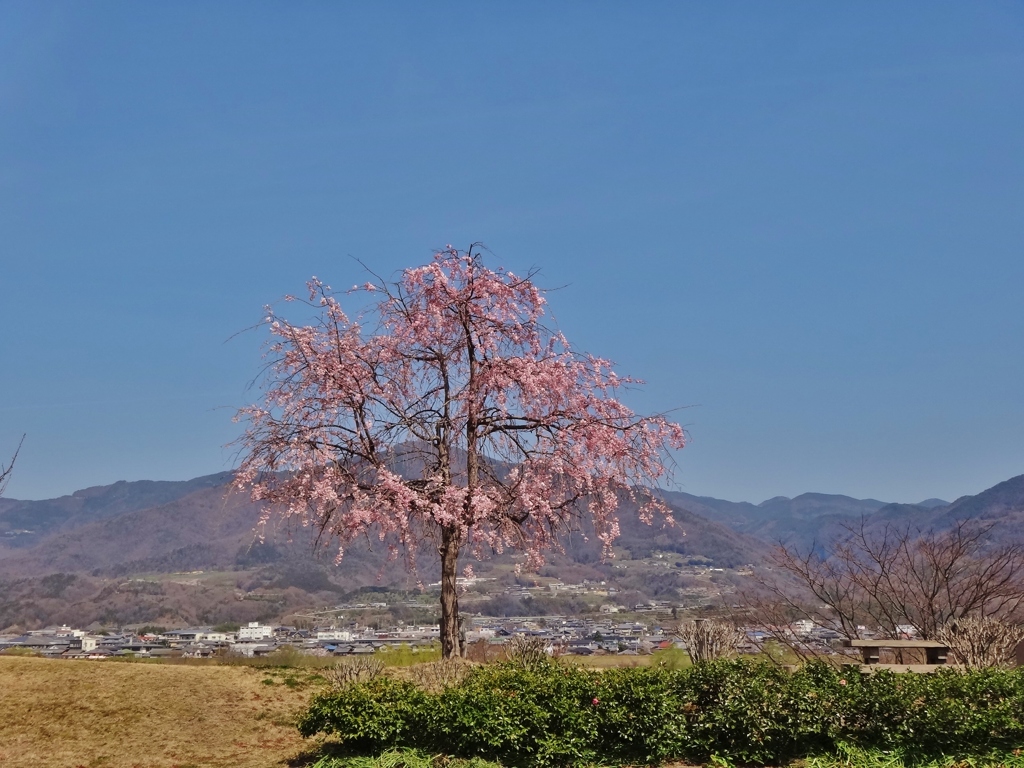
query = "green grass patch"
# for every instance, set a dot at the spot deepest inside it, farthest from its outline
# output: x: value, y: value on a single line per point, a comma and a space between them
x: 405, y: 656
x: 849, y: 756
x: 672, y: 658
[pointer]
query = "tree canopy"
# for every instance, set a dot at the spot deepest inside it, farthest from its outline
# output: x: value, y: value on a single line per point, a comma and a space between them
x: 446, y: 412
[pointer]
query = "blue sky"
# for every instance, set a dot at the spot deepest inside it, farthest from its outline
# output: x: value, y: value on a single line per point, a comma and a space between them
x: 800, y: 222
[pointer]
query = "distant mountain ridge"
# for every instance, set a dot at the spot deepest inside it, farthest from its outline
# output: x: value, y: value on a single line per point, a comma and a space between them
x: 808, y: 520
x: 25, y: 523
x: 799, y: 520
x: 122, y: 553
x: 151, y: 526
x: 203, y: 523
x: 1001, y: 506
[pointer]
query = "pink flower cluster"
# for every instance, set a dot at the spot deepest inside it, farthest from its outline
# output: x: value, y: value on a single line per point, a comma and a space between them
x: 447, y: 405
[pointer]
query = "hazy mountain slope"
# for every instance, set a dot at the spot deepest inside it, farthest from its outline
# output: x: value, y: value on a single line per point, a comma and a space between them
x: 1002, y: 503
x: 800, y: 521
x: 693, y: 535
x: 108, y: 535
x: 209, y: 520
x: 734, y: 514
x: 810, y: 519
x: 205, y: 525
x: 808, y: 506
x: 25, y: 523
x: 1001, y: 506
x: 209, y: 529
x: 213, y: 527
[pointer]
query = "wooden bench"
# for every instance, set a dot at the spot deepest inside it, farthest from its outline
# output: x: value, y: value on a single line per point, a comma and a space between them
x: 935, y: 653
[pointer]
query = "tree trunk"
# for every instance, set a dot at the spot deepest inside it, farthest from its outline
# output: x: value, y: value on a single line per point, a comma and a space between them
x: 451, y: 645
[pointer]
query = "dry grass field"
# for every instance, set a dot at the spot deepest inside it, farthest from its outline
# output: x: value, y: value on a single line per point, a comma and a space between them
x: 67, y: 714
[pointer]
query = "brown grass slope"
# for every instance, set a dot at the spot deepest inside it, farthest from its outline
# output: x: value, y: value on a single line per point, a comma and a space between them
x: 63, y: 714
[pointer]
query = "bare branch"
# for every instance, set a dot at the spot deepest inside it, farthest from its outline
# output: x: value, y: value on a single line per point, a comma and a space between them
x: 982, y: 642
x: 889, y: 580
x: 5, y: 471
x: 708, y: 639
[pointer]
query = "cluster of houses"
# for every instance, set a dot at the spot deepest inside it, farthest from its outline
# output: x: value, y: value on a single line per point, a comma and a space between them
x: 568, y: 635
x: 255, y: 639
x: 575, y: 635
x: 564, y: 635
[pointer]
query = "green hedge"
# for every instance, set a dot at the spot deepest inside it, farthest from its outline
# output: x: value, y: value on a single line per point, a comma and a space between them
x: 745, y: 712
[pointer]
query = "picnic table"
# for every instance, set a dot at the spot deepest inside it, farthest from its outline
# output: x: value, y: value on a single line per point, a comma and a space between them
x: 935, y: 653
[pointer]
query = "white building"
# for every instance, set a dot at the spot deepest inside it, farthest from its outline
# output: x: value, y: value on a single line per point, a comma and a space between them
x: 255, y: 631
x: 333, y: 634
x: 802, y: 626
x: 217, y: 637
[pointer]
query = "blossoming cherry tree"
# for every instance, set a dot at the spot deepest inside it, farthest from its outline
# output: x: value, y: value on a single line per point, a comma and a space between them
x: 446, y: 413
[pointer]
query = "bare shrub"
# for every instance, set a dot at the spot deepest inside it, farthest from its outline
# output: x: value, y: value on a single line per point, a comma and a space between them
x: 775, y: 611
x: 357, y: 669
x: 707, y: 639
x: 886, y: 577
x: 483, y: 652
x: 439, y: 675
x: 981, y: 642
x: 527, y: 651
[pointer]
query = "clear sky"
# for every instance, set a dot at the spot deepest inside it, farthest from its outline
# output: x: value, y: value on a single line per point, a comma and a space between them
x: 804, y: 222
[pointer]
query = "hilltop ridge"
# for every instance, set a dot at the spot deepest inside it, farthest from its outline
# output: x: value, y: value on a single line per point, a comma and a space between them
x: 125, y: 550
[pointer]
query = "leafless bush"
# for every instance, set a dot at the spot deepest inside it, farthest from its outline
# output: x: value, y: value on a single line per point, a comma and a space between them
x: 440, y: 675
x: 981, y: 642
x: 527, y: 651
x: 775, y: 610
x: 887, y: 577
x: 708, y: 639
x: 349, y: 671
x: 483, y: 652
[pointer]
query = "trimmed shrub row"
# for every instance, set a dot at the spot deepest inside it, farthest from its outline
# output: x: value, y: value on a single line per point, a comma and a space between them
x: 747, y: 712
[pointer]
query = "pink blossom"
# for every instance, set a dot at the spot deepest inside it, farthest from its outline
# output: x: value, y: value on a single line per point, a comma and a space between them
x: 446, y: 411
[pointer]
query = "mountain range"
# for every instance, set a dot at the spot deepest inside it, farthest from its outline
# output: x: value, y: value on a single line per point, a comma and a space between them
x: 146, y: 526
x: 115, y: 532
